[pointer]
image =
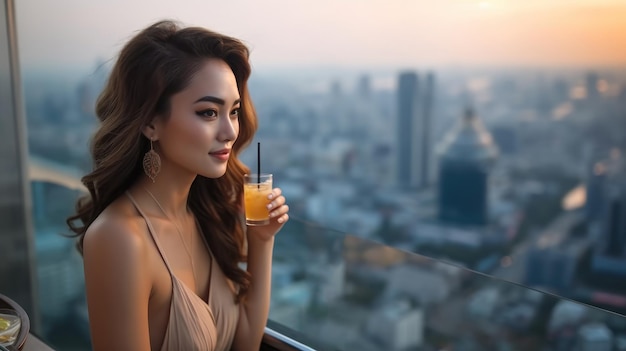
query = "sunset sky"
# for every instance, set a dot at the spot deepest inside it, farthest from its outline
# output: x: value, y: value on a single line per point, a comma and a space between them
x: 344, y: 33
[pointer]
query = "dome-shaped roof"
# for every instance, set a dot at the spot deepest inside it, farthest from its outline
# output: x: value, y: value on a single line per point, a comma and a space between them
x: 468, y: 141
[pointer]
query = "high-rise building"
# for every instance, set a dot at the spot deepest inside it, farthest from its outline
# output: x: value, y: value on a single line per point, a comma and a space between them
x: 606, y: 204
x: 415, y: 106
x: 407, y: 114
x: 425, y: 134
x: 596, y: 192
x: 364, y: 89
x: 591, y: 85
x: 616, y: 223
x: 467, y: 154
x: 610, y: 255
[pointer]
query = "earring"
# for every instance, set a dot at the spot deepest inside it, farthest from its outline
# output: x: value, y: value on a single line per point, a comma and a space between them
x: 151, y: 163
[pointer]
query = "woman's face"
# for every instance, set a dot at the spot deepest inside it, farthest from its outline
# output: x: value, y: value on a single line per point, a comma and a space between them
x: 203, y: 123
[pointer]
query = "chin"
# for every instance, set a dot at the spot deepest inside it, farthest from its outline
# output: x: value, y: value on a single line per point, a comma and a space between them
x: 214, y: 173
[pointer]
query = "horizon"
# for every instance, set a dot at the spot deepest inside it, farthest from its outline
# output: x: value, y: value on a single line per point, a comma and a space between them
x: 382, y: 78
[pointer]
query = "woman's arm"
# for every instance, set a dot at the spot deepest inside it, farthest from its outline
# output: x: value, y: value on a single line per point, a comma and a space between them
x: 118, y: 287
x: 255, y: 309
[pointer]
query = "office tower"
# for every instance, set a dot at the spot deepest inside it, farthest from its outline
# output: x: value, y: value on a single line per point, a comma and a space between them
x: 607, y: 266
x: 615, y: 222
x: 407, y: 114
x: 467, y: 154
x: 596, y: 192
x: 86, y: 95
x: 335, y: 88
x: 337, y: 117
x: 425, y: 134
x: 413, y: 124
x: 364, y: 88
x: 591, y: 85
x: 606, y: 205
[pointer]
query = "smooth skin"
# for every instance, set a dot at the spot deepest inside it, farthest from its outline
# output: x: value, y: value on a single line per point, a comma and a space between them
x: 129, y: 289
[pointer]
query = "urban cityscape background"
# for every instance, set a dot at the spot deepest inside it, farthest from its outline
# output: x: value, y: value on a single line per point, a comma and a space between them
x: 404, y: 183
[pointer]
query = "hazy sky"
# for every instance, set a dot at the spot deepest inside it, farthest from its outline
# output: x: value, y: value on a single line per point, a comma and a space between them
x: 349, y: 33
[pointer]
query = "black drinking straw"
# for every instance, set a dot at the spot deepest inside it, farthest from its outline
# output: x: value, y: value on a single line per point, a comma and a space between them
x: 258, y: 162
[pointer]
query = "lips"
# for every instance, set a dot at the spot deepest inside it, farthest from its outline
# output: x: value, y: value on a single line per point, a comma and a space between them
x: 221, y: 155
x: 222, y: 152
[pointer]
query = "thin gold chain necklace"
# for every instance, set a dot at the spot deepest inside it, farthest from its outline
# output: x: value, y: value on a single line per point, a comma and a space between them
x: 180, y: 234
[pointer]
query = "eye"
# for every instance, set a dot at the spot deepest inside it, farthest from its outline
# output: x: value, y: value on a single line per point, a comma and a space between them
x: 235, y: 113
x: 209, y: 114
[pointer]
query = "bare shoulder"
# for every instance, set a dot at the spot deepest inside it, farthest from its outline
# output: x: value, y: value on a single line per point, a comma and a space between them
x: 117, y: 278
x: 115, y: 244
x: 116, y: 256
x: 118, y: 228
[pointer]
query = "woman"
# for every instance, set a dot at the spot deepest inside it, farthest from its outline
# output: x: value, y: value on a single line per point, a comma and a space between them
x: 161, y: 233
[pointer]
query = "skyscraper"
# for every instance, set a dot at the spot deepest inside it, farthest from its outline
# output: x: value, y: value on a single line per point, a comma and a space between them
x: 596, y: 198
x: 591, y: 85
x: 428, y: 96
x: 364, y: 88
x: 413, y: 124
x: 466, y: 156
x: 614, y: 224
x: 407, y: 114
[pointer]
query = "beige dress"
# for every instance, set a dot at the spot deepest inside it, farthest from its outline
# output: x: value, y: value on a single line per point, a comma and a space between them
x: 195, y: 324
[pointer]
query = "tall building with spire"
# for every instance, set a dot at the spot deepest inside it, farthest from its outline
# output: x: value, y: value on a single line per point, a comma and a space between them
x: 414, y: 108
x: 610, y: 254
x: 466, y: 156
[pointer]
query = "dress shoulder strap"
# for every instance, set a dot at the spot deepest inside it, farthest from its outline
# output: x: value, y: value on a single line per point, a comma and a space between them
x: 150, y: 230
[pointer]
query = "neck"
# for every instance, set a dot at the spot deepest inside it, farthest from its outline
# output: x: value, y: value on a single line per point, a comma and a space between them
x: 170, y: 189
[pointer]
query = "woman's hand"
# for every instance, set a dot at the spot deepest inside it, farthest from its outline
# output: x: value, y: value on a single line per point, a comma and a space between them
x: 278, y: 217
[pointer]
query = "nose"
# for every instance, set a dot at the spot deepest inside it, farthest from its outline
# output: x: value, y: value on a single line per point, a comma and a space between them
x: 228, y: 129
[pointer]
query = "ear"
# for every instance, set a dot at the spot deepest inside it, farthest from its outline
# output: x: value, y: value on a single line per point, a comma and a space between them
x: 150, y: 131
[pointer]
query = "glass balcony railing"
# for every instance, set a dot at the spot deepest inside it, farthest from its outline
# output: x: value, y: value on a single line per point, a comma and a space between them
x: 352, y: 293
x: 337, y: 291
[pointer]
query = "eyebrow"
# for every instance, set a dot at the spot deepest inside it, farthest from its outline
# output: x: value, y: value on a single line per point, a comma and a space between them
x: 216, y: 100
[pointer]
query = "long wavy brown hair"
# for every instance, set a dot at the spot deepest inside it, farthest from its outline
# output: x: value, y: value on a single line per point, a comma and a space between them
x: 155, y: 64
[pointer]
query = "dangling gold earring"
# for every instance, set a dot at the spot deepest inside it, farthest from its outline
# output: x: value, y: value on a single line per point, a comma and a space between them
x: 151, y: 163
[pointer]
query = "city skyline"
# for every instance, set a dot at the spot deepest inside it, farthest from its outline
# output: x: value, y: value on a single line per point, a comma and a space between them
x: 398, y: 34
x: 543, y: 158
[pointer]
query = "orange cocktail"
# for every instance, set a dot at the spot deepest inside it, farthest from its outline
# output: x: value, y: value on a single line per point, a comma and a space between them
x: 256, y: 198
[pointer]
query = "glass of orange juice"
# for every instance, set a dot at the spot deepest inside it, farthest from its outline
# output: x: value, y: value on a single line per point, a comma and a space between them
x: 256, y: 189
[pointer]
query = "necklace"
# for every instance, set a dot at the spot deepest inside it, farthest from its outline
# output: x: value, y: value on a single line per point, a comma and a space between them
x: 180, y: 235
